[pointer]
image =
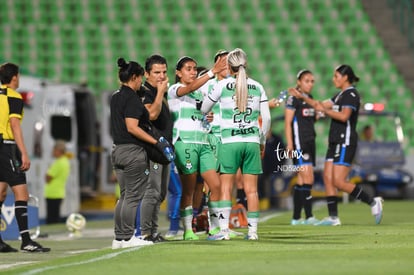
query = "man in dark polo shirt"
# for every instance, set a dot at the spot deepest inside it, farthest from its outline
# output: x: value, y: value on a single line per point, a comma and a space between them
x: 153, y: 94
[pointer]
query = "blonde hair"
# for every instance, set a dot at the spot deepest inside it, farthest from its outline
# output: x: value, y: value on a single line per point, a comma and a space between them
x: 237, y: 60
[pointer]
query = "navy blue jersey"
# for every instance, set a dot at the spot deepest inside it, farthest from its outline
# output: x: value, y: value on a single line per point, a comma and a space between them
x: 345, y: 132
x: 303, y: 129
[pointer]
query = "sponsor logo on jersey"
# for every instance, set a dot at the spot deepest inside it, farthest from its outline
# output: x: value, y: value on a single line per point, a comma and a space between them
x: 308, y: 112
x: 236, y: 132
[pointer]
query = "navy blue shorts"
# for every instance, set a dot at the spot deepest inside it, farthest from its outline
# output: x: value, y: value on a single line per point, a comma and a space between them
x: 305, y: 155
x: 341, y: 154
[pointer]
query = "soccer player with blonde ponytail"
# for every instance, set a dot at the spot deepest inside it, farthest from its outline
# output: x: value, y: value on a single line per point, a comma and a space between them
x: 242, y: 101
x: 237, y: 62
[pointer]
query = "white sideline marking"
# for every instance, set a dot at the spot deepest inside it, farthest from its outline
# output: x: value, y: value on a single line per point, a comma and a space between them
x: 82, y: 251
x: 268, y: 217
x: 104, y: 257
x: 4, y: 266
x: 316, y: 205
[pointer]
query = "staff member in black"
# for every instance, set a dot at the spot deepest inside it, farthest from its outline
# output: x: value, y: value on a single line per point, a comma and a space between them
x: 154, y: 92
x: 343, y: 110
x: 14, y: 160
x: 300, y: 134
x: 129, y: 157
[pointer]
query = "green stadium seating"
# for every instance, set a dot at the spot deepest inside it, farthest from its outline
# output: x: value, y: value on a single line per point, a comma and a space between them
x: 74, y: 40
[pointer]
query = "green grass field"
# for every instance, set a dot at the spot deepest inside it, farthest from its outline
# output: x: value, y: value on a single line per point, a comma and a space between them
x: 357, y: 247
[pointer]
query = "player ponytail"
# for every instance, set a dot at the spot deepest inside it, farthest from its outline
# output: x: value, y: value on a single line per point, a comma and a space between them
x: 347, y: 70
x: 237, y: 60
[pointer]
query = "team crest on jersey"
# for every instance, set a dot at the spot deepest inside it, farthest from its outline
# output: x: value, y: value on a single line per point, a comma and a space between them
x: 156, y: 166
x: 147, y: 172
x: 188, y: 165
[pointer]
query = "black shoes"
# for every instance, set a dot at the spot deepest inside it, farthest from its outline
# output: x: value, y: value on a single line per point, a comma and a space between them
x: 5, y: 248
x: 155, y: 238
x: 29, y: 247
x: 33, y: 246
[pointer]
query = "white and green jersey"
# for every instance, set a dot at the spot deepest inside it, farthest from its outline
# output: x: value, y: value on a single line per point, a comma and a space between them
x: 236, y: 126
x: 206, y: 90
x: 187, y: 119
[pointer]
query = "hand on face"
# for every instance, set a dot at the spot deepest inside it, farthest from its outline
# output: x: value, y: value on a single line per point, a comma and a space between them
x: 220, y: 65
x: 162, y: 85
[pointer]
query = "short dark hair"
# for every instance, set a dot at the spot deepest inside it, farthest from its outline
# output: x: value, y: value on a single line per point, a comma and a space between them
x: 7, y: 71
x: 154, y: 59
x: 127, y: 70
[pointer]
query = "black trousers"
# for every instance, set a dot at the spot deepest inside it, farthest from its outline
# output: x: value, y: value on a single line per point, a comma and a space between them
x: 53, y: 210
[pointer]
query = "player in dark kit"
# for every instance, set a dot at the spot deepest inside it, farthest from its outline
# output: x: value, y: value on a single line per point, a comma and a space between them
x: 343, y: 110
x: 300, y: 134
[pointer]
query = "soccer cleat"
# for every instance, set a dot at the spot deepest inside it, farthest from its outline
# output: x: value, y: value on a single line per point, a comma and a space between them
x: 219, y: 236
x: 116, y: 244
x: 214, y: 231
x: 252, y: 237
x: 329, y: 221
x: 189, y: 235
x: 376, y: 209
x: 33, y: 247
x: 311, y: 221
x: 135, y: 241
x: 296, y: 222
x: 5, y: 248
x: 173, y: 235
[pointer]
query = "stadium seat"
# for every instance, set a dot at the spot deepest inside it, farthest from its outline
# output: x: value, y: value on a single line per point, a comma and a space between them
x: 278, y: 36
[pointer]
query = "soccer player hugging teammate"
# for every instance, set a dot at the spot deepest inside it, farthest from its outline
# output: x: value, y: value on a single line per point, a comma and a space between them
x: 242, y: 101
x: 343, y: 110
x: 193, y: 152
